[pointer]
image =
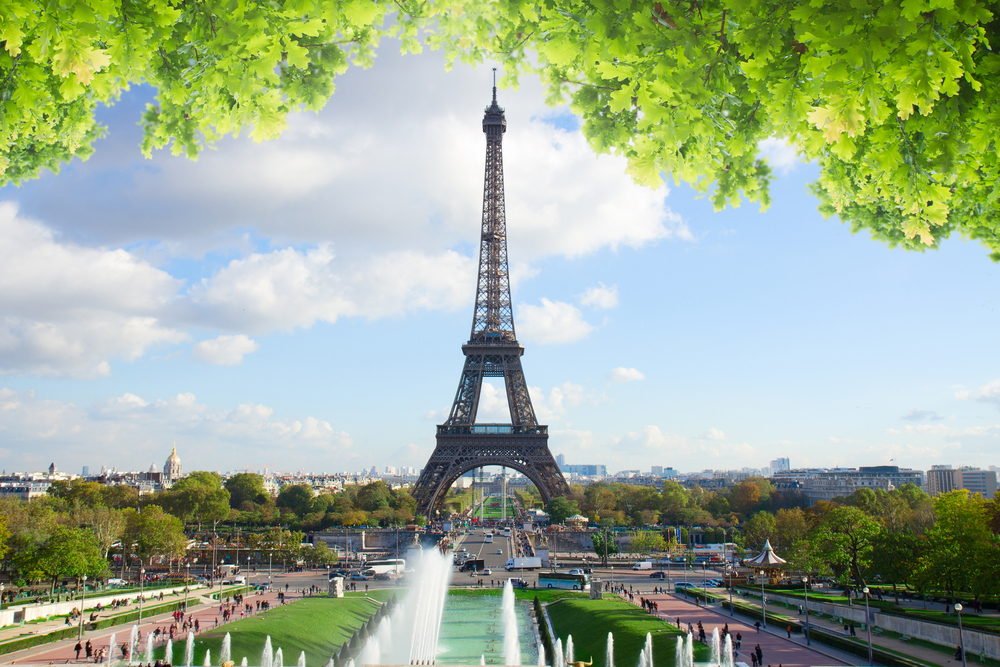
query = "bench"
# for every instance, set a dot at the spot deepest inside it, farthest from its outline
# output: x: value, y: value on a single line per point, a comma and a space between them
x: 877, y: 631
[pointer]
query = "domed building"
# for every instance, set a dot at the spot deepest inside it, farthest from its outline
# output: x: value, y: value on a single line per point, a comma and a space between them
x: 172, y: 468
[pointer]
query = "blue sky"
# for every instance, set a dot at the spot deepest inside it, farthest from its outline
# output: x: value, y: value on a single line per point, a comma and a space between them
x: 302, y: 303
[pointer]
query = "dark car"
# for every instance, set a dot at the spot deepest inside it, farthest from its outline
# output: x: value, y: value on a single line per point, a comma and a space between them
x: 658, y: 575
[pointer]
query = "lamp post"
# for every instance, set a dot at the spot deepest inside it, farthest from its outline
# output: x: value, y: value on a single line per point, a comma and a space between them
x: 805, y: 589
x: 1, y: 597
x: 868, y: 625
x: 83, y: 599
x: 142, y: 576
x: 246, y: 575
x: 763, y: 609
x: 187, y: 584
x: 961, y: 637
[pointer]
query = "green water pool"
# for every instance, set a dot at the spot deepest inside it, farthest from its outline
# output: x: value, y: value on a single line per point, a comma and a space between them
x: 472, y: 628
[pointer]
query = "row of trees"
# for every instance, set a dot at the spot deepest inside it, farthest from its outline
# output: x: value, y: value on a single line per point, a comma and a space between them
x: 81, y: 526
x: 903, y: 537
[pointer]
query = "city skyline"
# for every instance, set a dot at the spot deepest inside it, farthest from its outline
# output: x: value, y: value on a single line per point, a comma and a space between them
x: 306, y: 299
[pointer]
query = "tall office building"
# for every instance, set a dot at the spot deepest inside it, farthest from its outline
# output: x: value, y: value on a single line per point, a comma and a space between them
x: 780, y: 465
x: 561, y: 461
x: 944, y: 478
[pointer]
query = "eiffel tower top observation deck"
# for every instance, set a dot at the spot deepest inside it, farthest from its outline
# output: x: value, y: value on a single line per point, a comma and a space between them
x: 492, y: 351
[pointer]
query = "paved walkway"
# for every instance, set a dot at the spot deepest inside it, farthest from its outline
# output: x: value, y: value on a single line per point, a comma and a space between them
x: 898, y: 645
x: 776, y: 649
x: 205, y: 610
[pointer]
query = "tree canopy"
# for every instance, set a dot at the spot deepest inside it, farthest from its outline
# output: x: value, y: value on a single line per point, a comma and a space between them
x: 896, y: 102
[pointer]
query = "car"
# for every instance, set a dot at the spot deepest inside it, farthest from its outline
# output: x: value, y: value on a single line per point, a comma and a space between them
x: 383, y: 576
x: 359, y: 576
x: 658, y: 575
x: 487, y: 571
x: 682, y: 585
x: 117, y: 582
x: 576, y: 570
x: 708, y: 583
x: 499, y: 551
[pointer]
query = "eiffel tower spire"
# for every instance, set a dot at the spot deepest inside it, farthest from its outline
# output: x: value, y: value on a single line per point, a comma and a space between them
x: 492, y: 351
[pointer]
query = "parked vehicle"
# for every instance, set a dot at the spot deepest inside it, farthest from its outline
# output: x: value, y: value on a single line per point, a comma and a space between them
x: 360, y: 576
x: 658, y: 575
x: 475, y: 564
x: 576, y: 582
x: 642, y: 565
x: 682, y: 585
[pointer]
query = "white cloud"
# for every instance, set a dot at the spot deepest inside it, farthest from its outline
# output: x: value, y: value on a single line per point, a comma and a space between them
x: 650, y: 438
x: 621, y: 375
x: 137, y: 432
x: 67, y: 309
x: 553, y: 322
x: 780, y: 154
x: 916, y: 414
x: 712, y: 434
x: 600, y: 296
x: 988, y: 393
x: 225, y: 350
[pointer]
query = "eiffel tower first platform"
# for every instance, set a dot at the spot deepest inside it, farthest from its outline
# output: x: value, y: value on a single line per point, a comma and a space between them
x: 492, y: 351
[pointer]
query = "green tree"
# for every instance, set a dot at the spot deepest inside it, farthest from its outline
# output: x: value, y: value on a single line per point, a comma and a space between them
x: 108, y: 526
x: 896, y: 558
x: 151, y: 533
x: 645, y: 542
x: 374, y: 496
x: 70, y: 552
x: 296, y: 497
x: 761, y: 527
x: 199, y: 497
x: 245, y: 487
x: 959, y: 553
x: 894, y: 102
x: 604, y: 546
x: 846, y: 538
x: 559, y: 509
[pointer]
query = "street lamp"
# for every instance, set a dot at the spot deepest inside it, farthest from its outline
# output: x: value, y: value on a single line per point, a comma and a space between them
x: 187, y: 584
x: 83, y: 600
x: 868, y: 625
x: 247, y: 575
x: 961, y: 637
x: 1, y: 597
x: 142, y: 576
x: 763, y: 609
x: 805, y: 589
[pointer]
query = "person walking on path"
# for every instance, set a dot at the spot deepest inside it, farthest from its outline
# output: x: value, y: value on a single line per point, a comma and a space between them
x: 78, y: 648
x: 757, y: 625
x: 88, y: 650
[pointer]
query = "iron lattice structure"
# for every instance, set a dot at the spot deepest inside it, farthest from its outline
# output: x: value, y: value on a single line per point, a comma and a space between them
x: 492, y: 351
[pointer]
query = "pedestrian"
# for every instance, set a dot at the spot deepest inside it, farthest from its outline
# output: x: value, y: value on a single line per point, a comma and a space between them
x: 89, y: 650
x: 78, y: 648
x: 789, y: 632
x: 739, y: 639
x: 753, y: 659
x: 760, y: 654
x: 757, y: 625
x: 958, y: 653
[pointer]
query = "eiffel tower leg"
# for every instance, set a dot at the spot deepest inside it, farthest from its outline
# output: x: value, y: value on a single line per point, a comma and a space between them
x: 456, y: 454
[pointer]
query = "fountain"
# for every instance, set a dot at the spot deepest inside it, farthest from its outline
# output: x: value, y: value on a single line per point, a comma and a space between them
x: 168, y: 652
x: 189, y: 649
x: 133, y: 643
x: 243, y: 662
x: 149, y: 648
x: 569, y: 649
x: 482, y: 660
x: 646, y: 656
x: 557, y: 659
x: 511, y: 645
x: 226, y: 653
x: 302, y: 660
x: 541, y: 655
x: 279, y: 658
x: 609, y: 659
x: 728, y: 659
x: 111, y: 648
x: 715, y: 644
x: 267, y: 656
x: 208, y: 658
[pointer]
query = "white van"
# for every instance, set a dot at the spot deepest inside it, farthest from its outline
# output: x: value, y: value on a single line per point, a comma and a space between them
x: 643, y: 565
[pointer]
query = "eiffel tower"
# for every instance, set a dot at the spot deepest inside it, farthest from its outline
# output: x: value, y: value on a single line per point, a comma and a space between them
x: 492, y: 351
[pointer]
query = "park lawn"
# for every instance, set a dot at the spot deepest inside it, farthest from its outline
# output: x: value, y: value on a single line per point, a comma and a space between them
x: 496, y: 512
x: 318, y: 625
x: 590, y: 621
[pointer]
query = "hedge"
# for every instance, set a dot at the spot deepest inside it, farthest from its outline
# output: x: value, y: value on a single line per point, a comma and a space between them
x: 67, y: 633
x: 543, y: 628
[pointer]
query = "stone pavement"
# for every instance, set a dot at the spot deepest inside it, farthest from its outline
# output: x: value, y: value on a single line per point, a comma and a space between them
x: 204, y: 609
x: 776, y: 648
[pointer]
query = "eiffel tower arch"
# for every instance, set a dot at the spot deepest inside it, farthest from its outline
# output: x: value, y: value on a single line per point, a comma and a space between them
x: 492, y: 351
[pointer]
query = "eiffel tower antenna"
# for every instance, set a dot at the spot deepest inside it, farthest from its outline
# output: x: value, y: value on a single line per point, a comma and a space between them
x: 492, y: 351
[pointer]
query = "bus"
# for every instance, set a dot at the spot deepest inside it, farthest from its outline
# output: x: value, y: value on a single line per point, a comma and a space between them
x: 385, y: 565
x: 576, y: 582
x: 506, y: 532
x: 489, y: 537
